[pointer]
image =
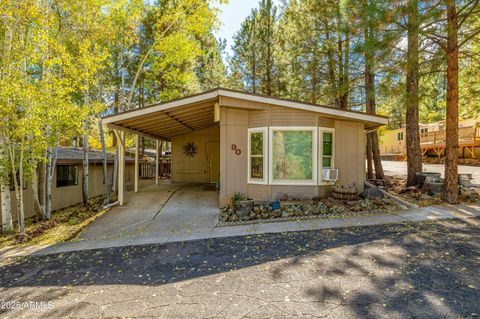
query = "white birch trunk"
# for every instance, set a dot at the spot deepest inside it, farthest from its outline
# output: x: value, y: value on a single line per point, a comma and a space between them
x: 18, y: 184
x: 7, y: 223
x: 42, y: 183
x: 115, y: 171
x: 51, y: 163
x: 105, y: 163
x: 85, y: 195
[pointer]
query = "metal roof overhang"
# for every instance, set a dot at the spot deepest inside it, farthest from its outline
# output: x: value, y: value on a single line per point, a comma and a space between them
x: 166, y: 120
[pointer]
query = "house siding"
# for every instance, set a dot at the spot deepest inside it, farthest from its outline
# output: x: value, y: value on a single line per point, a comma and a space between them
x: 67, y: 196
x: 193, y: 169
x: 234, y: 124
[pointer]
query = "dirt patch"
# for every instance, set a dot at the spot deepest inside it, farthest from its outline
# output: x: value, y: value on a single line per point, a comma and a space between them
x: 397, y: 186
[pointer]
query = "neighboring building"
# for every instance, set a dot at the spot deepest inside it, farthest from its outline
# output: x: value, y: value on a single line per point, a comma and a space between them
x: 67, y: 179
x: 261, y: 146
x: 432, y: 139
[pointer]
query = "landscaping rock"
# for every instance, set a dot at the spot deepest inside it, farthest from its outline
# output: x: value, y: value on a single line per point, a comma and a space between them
x: 421, y: 177
x: 370, y: 193
x: 465, y: 182
x: 377, y: 202
x: 433, y: 185
x: 352, y: 203
x: 338, y: 209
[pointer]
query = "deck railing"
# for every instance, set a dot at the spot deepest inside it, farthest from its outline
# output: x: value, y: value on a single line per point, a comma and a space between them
x: 466, y: 136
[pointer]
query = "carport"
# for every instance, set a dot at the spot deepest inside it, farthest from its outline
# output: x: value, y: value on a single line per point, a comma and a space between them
x: 261, y: 146
x: 165, y: 122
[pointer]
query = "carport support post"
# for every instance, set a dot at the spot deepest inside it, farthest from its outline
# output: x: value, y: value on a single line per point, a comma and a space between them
x: 137, y: 164
x: 157, y: 160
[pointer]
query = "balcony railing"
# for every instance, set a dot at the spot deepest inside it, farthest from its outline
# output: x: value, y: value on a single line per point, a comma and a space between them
x: 466, y: 136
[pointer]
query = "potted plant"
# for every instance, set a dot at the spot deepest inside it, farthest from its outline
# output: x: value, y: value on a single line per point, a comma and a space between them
x: 242, y: 205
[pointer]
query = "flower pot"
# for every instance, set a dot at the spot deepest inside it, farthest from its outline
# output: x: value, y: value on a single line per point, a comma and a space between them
x: 423, y: 175
x: 243, y: 207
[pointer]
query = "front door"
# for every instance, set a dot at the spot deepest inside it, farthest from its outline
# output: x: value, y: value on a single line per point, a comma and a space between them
x: 213, y: 153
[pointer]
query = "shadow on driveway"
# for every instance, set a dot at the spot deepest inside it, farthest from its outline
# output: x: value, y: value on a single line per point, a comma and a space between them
x: 427, y: 269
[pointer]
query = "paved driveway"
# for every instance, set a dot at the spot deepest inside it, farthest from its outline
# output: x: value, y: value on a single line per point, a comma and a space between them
x: 163, y: 211
x: 400, y: 168
x: 408, y: 270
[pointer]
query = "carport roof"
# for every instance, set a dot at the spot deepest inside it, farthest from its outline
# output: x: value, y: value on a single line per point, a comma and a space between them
x: 168, y: 119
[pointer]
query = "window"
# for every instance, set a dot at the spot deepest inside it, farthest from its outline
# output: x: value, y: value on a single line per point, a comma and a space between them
x: 424, y: 130
x: 293, y: 155
x: 12, y: 182
x: 400, y: 136
x: 327, y: 148
x: 257, y: 155
x: 67, y: 175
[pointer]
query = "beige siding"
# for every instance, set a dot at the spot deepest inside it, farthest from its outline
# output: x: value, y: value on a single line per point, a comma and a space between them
x: 349, y: 149
x: 233, y: 167
x: 281, y: 116
x: 66, y: 196
x: 193, y: 169
x: 325, y: 122
x: 257, y: 118
x: 350, y: 153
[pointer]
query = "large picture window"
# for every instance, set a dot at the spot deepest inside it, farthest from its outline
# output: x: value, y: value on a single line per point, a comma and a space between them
x: 257, y: 155
x: 293, y: 155
x: 67, y: 175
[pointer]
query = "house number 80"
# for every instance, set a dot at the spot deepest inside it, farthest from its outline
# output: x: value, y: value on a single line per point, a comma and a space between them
x: 234, y: 148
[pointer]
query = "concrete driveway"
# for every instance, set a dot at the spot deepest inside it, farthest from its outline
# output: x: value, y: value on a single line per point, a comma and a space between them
x: 163, y: 211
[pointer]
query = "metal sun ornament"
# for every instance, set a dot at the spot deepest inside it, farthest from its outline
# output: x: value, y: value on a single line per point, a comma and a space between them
x: 190, y: 149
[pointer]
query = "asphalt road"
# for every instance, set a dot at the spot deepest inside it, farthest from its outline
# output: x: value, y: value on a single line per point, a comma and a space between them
x: 426, y: 270
x: 400, y: 168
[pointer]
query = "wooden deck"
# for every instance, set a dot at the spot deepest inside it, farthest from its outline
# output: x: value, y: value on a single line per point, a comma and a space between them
x: 433, y: 143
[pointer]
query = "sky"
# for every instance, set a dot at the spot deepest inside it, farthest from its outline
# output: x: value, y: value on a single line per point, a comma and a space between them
x: 231, y: 17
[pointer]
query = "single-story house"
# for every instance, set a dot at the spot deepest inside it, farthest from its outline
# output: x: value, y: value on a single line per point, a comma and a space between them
x: 258, y: 145
x: 67, y: 179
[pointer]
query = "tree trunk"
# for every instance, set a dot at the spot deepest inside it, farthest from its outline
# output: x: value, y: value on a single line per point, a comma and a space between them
x: 369, y: 157
x: 412, y: 134
x: 85, y: 194
x: 39, y: 212
x: 370, y: 100
x: 115, y: 171
x: 377, y: 159
x: 18, y: 185
x: 451, y: 146
x: 51, y: 164
x: 7, y: 223
x: 42, y: 182
x: 105, y: 163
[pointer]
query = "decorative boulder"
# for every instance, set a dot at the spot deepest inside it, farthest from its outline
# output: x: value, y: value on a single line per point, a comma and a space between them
x: 370, y: 193
x: 433, y: 185
x: 421, y: 177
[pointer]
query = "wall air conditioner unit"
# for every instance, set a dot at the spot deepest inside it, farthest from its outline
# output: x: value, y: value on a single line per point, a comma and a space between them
x: 330, y: 175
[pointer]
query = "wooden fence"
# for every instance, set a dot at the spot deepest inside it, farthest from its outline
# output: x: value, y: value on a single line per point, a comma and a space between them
x: 147, y: 169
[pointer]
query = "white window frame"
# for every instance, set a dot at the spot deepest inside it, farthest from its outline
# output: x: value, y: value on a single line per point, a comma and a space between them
x: 322, y: 130
x: 251, y: 180
x: 314, y: 130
